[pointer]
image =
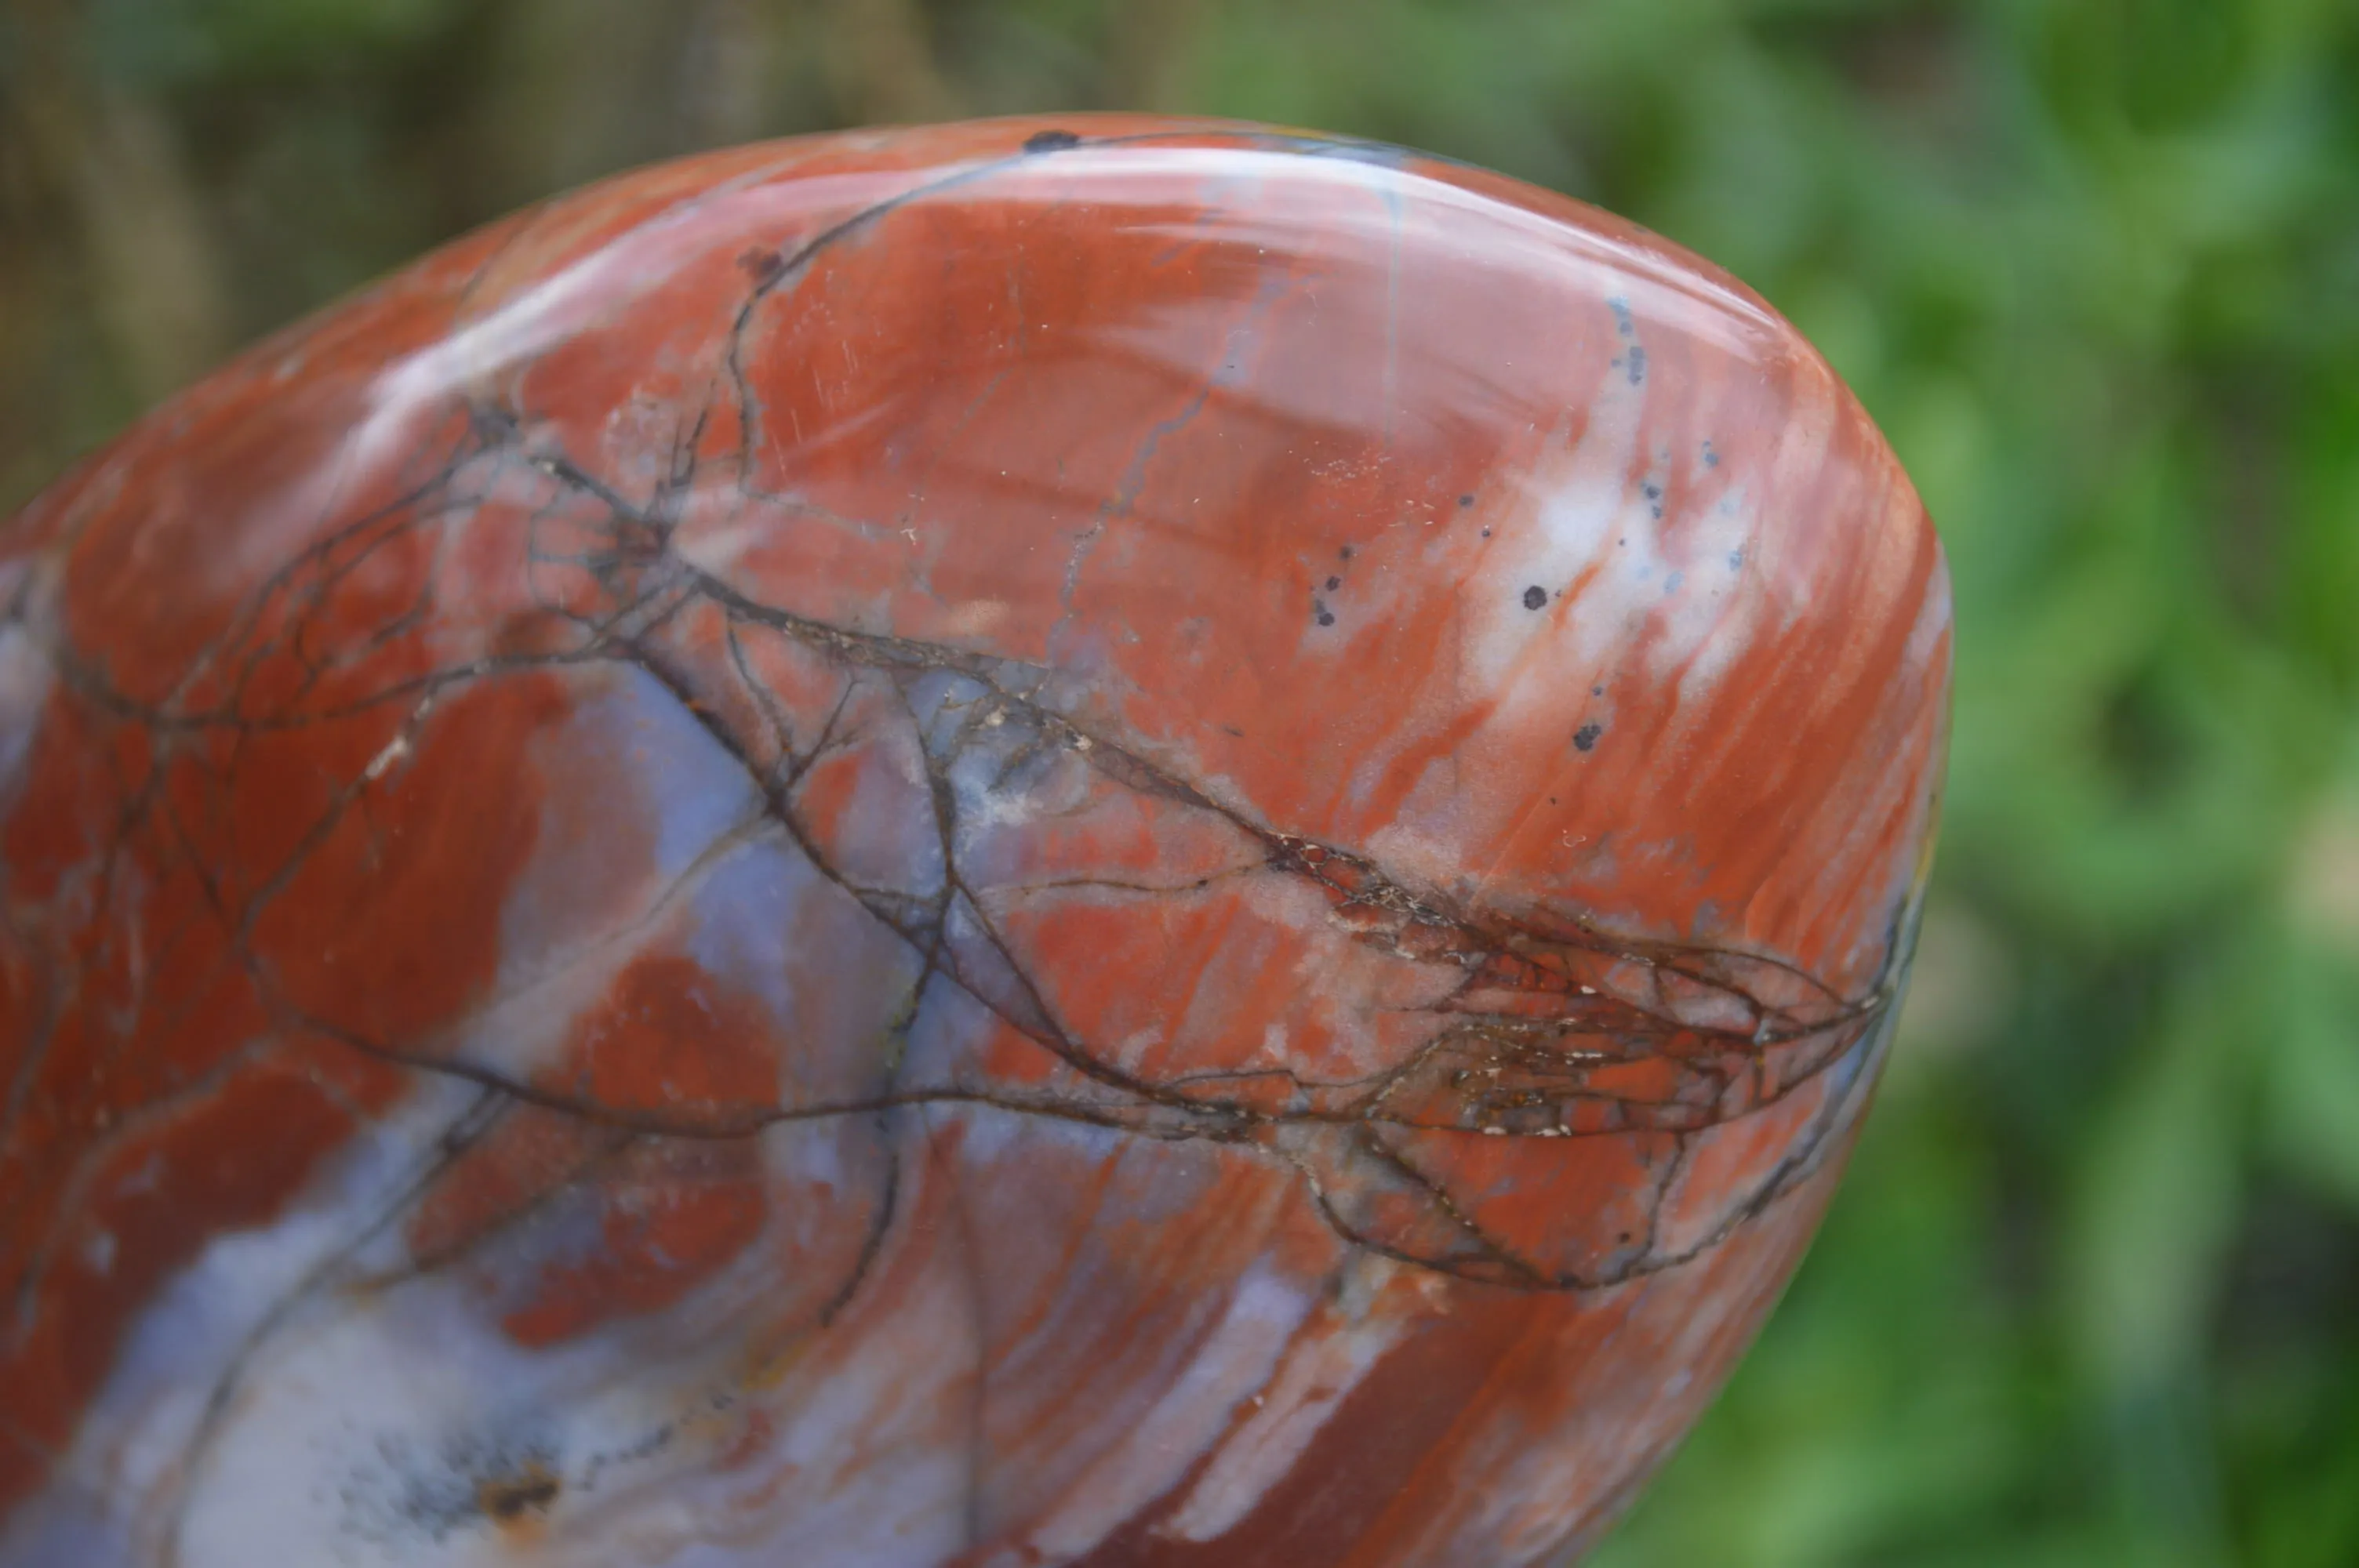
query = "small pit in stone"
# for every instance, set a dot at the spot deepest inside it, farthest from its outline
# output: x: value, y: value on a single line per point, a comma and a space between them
x: 507, y: 1500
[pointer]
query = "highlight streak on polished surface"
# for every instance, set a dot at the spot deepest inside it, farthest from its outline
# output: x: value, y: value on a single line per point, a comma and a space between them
x: 1116, y: 842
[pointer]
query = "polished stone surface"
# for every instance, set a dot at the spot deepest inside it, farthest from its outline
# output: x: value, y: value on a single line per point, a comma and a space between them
x: 1100, y: 842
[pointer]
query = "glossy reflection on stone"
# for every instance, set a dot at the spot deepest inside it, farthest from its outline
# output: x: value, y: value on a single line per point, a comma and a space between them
x: 1107, y: 843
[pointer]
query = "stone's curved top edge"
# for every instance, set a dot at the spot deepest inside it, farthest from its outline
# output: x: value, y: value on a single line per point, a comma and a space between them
x: 974, y: 144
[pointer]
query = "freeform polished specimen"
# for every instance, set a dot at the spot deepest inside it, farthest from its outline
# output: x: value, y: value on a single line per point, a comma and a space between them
x: 1113, y: 842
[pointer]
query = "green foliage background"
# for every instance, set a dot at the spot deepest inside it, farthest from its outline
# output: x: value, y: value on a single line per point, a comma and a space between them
x: 2091, y: 1293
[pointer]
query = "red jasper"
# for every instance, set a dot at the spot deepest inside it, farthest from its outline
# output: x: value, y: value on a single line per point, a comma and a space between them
x: 1107, y: 842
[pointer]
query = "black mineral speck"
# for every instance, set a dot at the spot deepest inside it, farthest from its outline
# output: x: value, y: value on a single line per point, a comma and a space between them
x: 1585, y: 737
x: 1465, y: 501
x: 1318, y: 609
x: 1345, y: 552
x: 1535, y: 596
x: 1333, y: 583
x: 1051, y: 140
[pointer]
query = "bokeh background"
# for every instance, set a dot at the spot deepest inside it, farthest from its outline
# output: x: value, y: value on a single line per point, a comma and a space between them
x: 2091, y: 1293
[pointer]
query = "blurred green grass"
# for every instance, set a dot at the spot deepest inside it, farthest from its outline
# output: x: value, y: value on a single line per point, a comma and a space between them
x: 2091, y: 1295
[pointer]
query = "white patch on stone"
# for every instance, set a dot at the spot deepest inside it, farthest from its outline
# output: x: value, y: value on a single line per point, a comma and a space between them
x: 1315, y: 1377
x: 1237, y: 1357
x: 25, y: 678
x: 132, y: 1448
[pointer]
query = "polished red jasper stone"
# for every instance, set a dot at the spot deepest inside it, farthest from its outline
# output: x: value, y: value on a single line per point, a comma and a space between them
x: 1104, y: 842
